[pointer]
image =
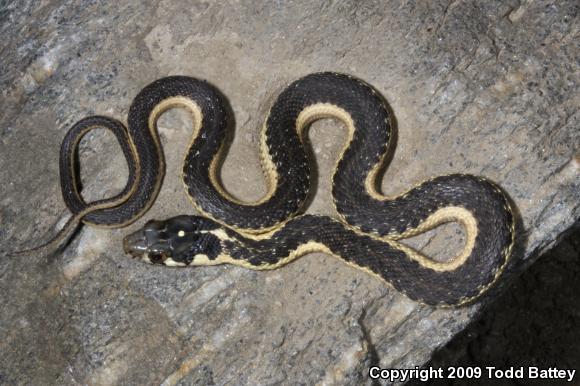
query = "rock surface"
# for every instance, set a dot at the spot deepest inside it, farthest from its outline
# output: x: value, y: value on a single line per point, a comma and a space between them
x: 488, y: 88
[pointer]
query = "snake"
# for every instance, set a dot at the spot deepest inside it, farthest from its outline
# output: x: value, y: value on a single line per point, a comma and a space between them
x: 275, y: 230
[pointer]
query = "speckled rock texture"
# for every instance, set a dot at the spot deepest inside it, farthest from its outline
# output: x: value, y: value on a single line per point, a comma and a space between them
x: 489, y: 88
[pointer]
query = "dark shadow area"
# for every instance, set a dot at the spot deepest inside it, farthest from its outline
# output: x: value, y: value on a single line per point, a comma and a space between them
x: 535, y: 322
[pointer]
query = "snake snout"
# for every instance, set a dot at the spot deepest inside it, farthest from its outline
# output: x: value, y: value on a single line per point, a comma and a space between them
x: 135, y: 244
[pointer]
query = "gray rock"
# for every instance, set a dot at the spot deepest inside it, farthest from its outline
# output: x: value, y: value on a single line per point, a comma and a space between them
x: 489, y: 88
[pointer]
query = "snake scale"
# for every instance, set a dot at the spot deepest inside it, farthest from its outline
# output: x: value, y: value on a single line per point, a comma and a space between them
x: 270, y: 233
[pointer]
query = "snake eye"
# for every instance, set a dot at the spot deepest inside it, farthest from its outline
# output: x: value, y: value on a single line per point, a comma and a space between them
x: 156, y: 257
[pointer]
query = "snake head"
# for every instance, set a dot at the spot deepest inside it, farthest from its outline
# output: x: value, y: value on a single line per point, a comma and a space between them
x: 176, y: 241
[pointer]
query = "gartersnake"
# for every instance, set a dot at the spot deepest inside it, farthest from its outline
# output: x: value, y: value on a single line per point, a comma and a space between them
x: 268, y: 233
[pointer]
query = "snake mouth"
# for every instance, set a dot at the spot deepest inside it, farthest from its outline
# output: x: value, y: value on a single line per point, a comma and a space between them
x: 135, y: 244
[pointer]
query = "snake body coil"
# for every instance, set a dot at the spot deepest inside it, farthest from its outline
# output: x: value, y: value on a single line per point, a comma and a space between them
x: 267, y: 234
